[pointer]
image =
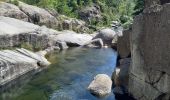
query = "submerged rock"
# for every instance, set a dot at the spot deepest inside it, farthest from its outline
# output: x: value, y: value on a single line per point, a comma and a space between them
x: 101, y: 85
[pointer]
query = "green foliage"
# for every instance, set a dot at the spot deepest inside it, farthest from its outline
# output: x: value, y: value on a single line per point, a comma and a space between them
x: 139, y: 7
x: 120, y: 10
x: 15, y: 2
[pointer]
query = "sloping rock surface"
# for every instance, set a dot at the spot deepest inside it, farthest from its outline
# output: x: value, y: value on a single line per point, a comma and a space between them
x: 14, y: 63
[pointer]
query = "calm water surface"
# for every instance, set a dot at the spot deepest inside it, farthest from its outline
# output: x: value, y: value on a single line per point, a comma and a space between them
x: 68, y: 77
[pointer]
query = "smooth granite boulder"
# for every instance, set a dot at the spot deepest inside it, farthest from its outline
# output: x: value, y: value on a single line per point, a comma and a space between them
x: 101, y: 85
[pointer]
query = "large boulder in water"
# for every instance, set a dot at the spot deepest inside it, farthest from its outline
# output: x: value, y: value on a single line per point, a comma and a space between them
x: 10, y: 10
x: 101, y: 85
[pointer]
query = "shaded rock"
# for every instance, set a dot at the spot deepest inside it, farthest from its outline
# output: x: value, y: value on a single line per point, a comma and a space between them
x: 73, y: 39
x: 90, y: 13
x: 62, y: 45
x: 123, y: 44
x: 10, y: 10
x: 95, y: 43
x: 121, y: 75
x: 14, y: 63
x: 38, y: 15
x: 149, y: 73
x: 101, y: 85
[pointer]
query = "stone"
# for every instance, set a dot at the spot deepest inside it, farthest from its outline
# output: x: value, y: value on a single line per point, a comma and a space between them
x: 14, y: 63
x: 149, y: 72
x: 10, y: 10
x: 90, y: 12
x: 73, y: 39
x: 95, y: 43
x: 107, y: 35
x: 38, y: 15
x: 123, y: 44
x: 62, y: 45
x: 101, y: 85
x: 121, y: 74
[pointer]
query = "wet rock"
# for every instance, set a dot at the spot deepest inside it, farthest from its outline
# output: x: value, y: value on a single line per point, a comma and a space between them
x: 101, y: 85
x: 121, y: 75
x: 62, y: 45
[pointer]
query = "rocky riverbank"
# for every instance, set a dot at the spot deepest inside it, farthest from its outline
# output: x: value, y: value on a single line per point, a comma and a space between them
x: 147, y: 44
x: 33, y: 28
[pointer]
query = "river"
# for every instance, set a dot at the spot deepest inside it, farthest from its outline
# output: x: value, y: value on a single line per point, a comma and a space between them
x: 68, y: 77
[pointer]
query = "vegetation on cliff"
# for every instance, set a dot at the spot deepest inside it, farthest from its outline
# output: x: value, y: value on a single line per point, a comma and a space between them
x: 120, y: 10
x: 105, y: 12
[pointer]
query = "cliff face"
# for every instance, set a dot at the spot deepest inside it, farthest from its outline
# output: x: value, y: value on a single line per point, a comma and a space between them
x: 149, y: 77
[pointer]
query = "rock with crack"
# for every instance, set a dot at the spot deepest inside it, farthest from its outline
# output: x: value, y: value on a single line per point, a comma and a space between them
x: 149, y: 74
x: 14, y: 63
x: 101, y: 85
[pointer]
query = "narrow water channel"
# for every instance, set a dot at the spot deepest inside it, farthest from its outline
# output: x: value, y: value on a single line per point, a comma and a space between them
x: 68, y: 77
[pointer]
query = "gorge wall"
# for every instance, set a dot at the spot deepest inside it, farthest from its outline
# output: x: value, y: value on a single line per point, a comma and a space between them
x: 149, y: 73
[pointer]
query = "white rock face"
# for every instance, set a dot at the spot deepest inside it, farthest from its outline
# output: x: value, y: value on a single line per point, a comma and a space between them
x: 14, y: 63
x: 101, y: 85
x: 73, y: 39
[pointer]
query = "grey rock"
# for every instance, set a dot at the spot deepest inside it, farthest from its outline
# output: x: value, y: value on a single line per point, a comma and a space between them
x: 95, y: 43
x: 101, y: 85
x: 38, y: 15
x: 121, y: 74
x: 62, y: 45
x: 73, y: 39
x: 107, y: 35
x: 123, y: 44
x: 10, y: 10
x: 90, y: 12
x: 149, y: 72
x: 14, y: 63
